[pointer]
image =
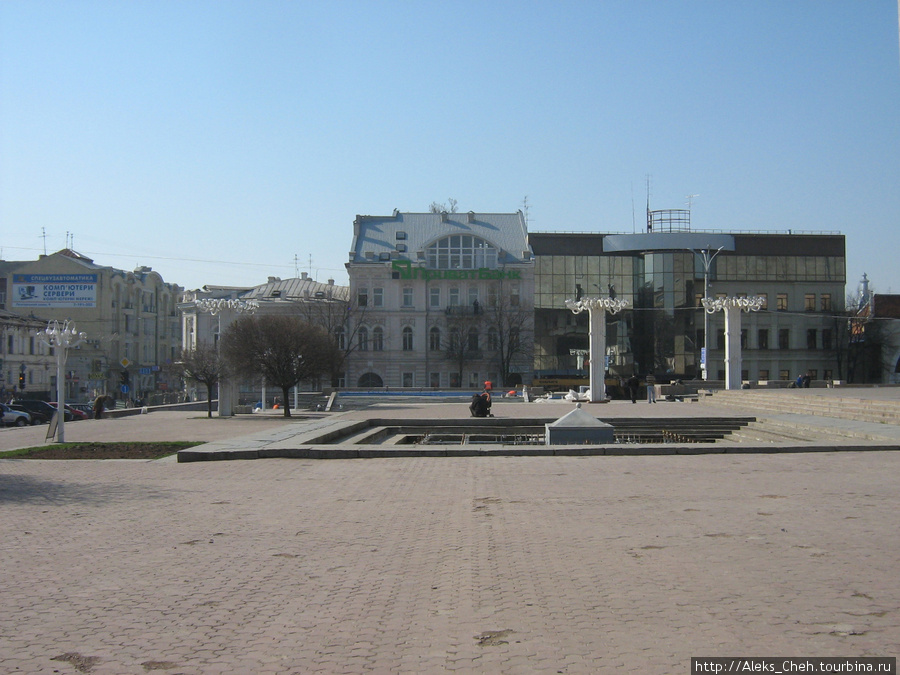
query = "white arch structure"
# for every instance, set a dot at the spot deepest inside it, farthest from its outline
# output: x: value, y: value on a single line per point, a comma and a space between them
x: 732, y: 306
x: 597, y: 309
x: 226, y: 309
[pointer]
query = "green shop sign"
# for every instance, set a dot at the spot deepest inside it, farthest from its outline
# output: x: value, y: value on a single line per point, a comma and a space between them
x: 407, y: 271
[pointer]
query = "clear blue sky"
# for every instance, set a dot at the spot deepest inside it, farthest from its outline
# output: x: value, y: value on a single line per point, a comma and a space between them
x: 220, y: 141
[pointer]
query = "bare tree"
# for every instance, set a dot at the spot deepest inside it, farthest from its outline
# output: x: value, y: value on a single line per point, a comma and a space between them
x: 284, y: 350
x: 443, y: 208
x: 461, y: 344
x: 342, y: 323
x: 510, y: 333
x: 203, y: 365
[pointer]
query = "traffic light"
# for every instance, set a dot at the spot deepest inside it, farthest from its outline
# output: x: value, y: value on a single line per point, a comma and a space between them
x: 125, y: 377
x: 21, y: 380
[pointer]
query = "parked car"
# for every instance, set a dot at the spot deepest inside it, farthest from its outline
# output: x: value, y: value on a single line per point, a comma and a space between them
x: 72, y: 415
x: 39, y: 406
x: 86, y: 408
x: 37, y: 416
x: 14, y: 417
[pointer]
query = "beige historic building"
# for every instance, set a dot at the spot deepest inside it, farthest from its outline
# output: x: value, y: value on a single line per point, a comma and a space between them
x: 130, y: 318
x: 440, y: 300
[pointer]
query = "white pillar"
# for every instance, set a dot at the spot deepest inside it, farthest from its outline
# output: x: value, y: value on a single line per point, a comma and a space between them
x: 597, y: 309
x: 732, y: 347
x: 597, y: 341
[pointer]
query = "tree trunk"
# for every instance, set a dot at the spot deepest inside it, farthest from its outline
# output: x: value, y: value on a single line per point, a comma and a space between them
x: 285, y: 394
x: 209, y: 399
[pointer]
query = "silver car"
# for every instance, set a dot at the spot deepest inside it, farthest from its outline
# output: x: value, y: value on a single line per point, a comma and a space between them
x: 12, y: 417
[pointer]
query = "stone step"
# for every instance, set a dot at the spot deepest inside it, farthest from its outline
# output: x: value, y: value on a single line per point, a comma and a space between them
x: 881, y: 412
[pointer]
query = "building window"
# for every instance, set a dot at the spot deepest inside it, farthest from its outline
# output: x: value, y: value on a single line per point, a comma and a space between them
x: 744, y: 342
x: 362, y: 339
x: 493, y: 290
x: 720, y: 338
x: 461, y: 252
x: 825, y: 302
x: 784, y: 338
x: 763, y: 375
x: 493, y: 340
x: 513, y: 338
x: 827, y: 374
x: 362, y: 296
x: 473, y: 340
x: 434, y: 339
x: 409, y: 380
x: 784, y: 374
x: 809, y: 302
x: 811, y: 338
x: 434, y: 380
x: 434, y: 297
x: 473, y: 294
x: 826, y: 338
x: 762, y: 341
x: 514, y: 296
x: 407, y: 296
x: 378, y: 339
x: 765, y: 300
x: 700, y: 338
x: 454, y: 296
x: 407, y: 339
x: 781, y: 302
x: 377, y: 297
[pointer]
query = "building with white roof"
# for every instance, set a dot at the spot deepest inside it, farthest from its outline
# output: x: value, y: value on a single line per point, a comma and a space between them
x: 440, y: 300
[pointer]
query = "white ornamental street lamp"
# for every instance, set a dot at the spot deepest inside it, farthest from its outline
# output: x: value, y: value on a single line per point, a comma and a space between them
x: 707, y: 263
x: 597, y: 309
x: 61, y: 339
x: 225, y: 308
x: 732, y: 308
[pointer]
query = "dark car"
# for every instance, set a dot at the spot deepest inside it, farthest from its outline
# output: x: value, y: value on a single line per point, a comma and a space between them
x: 30, y: 405
x: 37, y: 417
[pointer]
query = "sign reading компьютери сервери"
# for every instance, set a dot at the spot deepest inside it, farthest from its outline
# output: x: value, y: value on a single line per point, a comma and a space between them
x: 54, y: 290
x: 405, y: 270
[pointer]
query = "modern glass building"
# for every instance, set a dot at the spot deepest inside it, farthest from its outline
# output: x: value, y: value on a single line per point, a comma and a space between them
x: 663, y: 273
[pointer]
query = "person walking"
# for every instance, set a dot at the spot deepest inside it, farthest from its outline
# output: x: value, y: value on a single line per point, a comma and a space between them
x: 632, y: 383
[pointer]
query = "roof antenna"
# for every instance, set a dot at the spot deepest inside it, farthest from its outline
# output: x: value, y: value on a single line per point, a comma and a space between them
x: 44, y: 237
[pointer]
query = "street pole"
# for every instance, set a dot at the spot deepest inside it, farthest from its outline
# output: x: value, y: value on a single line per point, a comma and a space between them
x: 707, y: 263
x: 61, y: 339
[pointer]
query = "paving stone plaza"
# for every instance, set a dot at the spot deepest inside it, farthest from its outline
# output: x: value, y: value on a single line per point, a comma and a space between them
x: 492, y: 564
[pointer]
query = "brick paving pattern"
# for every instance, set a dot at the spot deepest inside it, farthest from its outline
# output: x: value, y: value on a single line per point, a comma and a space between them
x: 428, y: 565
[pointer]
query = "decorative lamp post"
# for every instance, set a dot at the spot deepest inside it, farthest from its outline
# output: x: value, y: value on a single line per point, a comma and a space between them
x: 707, y: 263
x: 597, y: 309
x: 61, y: 339
x: 732, y: 308
x: 227, y: 308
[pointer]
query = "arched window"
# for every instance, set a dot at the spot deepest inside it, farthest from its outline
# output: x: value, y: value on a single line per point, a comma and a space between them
x: 407, y: 339
x: 369, y: 381
x: 362, y: 339
x: 434, y: 339
x: 461, y: 252
x: 378, y: 339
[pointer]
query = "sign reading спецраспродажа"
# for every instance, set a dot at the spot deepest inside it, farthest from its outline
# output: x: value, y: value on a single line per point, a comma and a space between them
x: 407, y: 271
x: 54, y: 290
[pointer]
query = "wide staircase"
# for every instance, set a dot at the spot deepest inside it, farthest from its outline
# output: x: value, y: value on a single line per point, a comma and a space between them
x: 808, y: 402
